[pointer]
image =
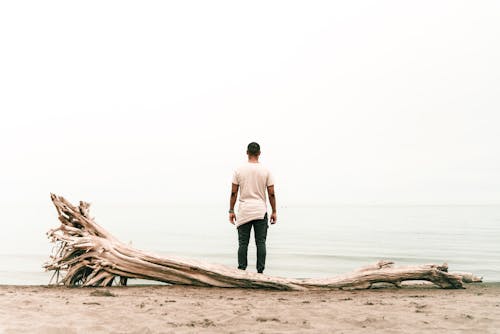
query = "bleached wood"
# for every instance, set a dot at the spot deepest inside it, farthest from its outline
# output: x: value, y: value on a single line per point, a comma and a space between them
x: 88, y: 255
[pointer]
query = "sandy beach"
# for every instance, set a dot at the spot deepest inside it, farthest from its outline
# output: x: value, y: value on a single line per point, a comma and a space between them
x: 180, y: 309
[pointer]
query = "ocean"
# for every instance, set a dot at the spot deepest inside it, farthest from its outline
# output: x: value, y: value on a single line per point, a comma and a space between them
x: 306, y: 241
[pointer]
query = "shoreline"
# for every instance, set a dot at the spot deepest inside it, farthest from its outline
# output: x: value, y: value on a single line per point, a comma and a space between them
x: 187, y: 309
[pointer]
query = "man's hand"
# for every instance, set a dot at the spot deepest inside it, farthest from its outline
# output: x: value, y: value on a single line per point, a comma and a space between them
x: 274, y: 218
x: 232, y: 218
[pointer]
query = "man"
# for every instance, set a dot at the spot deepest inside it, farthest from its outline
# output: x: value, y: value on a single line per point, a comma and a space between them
x: 252, y: 180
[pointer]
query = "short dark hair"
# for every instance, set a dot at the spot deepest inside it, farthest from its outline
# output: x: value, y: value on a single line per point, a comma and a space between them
x: 253, y: 148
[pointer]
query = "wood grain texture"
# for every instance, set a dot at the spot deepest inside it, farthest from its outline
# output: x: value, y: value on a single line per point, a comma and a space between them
x: 85, y: 254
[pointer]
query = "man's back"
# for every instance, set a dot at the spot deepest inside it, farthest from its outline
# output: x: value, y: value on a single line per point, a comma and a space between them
x: 253, y: 180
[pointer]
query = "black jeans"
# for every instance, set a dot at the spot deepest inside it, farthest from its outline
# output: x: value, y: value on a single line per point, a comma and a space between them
x: 260, y: 230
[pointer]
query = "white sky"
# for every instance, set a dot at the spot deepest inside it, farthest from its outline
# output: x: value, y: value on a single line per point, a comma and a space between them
x: 351, y: 101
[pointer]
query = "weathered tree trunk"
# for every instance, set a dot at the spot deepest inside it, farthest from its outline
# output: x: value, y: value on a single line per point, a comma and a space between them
x: 90, y: 256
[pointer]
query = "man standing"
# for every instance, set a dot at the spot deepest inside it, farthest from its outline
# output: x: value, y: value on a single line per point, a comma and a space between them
x: 252, y: 180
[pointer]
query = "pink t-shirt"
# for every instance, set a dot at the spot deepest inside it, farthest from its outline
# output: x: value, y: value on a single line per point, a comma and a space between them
x: 253, y: 179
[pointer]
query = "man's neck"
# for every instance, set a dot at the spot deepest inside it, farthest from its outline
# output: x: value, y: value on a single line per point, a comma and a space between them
x: 253, y: 160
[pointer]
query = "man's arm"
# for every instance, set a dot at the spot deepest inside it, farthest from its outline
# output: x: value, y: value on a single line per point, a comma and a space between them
x: 272, y: 200
x: 232, y: 202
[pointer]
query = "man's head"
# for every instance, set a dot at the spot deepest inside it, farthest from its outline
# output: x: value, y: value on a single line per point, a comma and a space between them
x: 253, y: 149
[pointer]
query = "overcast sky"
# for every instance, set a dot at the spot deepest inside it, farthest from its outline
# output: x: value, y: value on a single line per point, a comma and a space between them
x: 351, y: 101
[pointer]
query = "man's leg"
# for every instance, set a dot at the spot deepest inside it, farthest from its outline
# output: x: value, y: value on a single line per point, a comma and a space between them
x: 260, y: 229
x: 243, y: 239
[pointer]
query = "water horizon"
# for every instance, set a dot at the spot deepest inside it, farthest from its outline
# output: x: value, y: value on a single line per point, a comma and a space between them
x: 308, y: 241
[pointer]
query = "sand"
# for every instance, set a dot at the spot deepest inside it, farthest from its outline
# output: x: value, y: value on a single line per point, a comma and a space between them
x: 178, y: 309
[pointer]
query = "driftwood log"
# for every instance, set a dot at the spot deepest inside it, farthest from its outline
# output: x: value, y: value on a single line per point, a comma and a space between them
x: 85, y: 254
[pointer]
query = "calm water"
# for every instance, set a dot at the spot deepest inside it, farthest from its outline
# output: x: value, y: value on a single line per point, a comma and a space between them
x: 306, y: 242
